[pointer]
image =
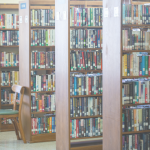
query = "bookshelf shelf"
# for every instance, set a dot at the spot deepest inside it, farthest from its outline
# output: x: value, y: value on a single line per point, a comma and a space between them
x: 7, y: 105
x: 85, y: 49
x: 10, y: 67
x: 9, y: 29
x: 85, y: 117
x: 132, y: 77
x: 85, y: 71
x: 40, y: 113
x: 10, y: 46
x: 135, y: 132
x: 131, y: 51
x: 5, y: 86
x: 44, y: 92
x: 42, y: 46
x: 9, y: 6
x: 86, y: 27
x: 86, y: 138
x: 51, y: 69
x: 97, y: 95
x: 42, y: 27
x: 136, y: 26
x: 135, y: 104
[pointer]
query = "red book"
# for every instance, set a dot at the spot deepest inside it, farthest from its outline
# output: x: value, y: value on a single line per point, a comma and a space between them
x: 36, y: 121
x: 44, y: 80
x: 42, y: 103
x: 79, y: 19
x: 146, y: 100
x: 75, y: 16
x: 89, y: 85
x: 83, y: 60
x: 136, y: 141
x: 149, y: 65
x: 32, y: 125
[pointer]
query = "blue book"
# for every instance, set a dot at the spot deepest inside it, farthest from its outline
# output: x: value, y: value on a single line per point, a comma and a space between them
x: 143, y: 65
x: 73, y: 129
x: 123, y: 14
x: 53, y: 124
x: 75, y: 85
x: 144, y: 141
x: 39, y: 125
x: 78, y: 17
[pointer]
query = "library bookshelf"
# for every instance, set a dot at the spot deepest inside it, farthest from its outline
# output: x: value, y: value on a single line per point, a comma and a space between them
x: 8, y: 9
x: 25, y: 51
x: 64, y: 139
x: 114, y: 105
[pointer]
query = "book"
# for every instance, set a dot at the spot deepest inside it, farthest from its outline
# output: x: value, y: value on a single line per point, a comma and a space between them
x: 91, y: 106
x: 9, y: 21
x: 44, y: 82
x: 86, y: 127
x: 43, y: 37
x: 9, y: 59
x: 85, y: 38
x: 9, y: 38
x: 42, y: 125
x: 42, y: 17
x: 83, y: 84
x: 41, y: 59
x: 86, y: 16
x: 80, y: 60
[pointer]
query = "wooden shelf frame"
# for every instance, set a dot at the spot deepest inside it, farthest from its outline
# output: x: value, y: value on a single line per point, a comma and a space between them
x: 13, y: 7
x: 25, y: 66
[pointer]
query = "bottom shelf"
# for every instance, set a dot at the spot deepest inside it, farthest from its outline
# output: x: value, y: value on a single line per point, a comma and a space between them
x: 87, y: 145
x: 43, y: 137
x: 6, y: 127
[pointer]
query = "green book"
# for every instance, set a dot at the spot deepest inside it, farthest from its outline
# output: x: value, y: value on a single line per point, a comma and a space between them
x: 91, y: 12
x: 46, y: 38
x: 37, y: 105
x: 146, y: 65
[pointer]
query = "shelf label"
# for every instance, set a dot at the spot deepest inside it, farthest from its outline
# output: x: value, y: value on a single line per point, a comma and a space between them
x: 26, y: 19
x: 105, y: 12
x: 20, y: 19
x: 116, y: 12
x: 23, y: 6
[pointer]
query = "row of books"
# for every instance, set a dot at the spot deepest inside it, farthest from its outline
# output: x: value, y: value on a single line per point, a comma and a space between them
x: 6, y: 121
x: 8, y: 59
x: 42, y: 103
x: 136, y: 119
x: 136, y: 142
x: 135, y: 39
x: 9, y: 21
x: 90, y: 106
x: 135, y: 14
x: 136, y: 92
x: 90, y: 84
x: 41, y: 125
x: 9, y: 78
x: 42, y: 59
x: 86, y: 38
x: 7, y: 97
x: 86, y: 127
x: 85, y: 60
x: 86, y: 16
x: 9, y: 38
x: 45, y: 82
x: 44, y: 37
x: 42, y: 17
x: 135, y: 64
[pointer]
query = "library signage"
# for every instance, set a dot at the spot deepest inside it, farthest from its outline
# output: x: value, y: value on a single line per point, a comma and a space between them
x: 23, y: 5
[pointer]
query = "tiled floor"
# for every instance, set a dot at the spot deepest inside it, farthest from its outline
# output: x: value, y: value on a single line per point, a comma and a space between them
x: 8, y: 141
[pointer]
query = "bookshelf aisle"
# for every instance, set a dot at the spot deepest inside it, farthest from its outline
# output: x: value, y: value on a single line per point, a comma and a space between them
x: 128, y: 105
x: 81, y: 97
x: 37, y: 55
x: 9, y: 58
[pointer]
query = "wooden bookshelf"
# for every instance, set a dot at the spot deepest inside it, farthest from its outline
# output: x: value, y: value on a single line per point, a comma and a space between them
x: 134, y: 77
x: 14, y: 9
x: 25, y: 65
x: 136, y: 132
x: 131, y: 51
x: 62, y: 33
x: 135, y: 104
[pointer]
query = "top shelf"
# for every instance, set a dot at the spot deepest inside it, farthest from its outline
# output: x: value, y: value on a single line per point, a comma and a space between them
x: 2, y: 29
x: 9, y: 6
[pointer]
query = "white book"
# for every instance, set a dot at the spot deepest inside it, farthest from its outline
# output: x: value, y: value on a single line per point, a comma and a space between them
x: 39, y: 83
x: 130, y: 142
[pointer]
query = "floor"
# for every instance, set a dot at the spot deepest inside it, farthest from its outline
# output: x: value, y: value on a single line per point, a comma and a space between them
x: 8, y: 141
